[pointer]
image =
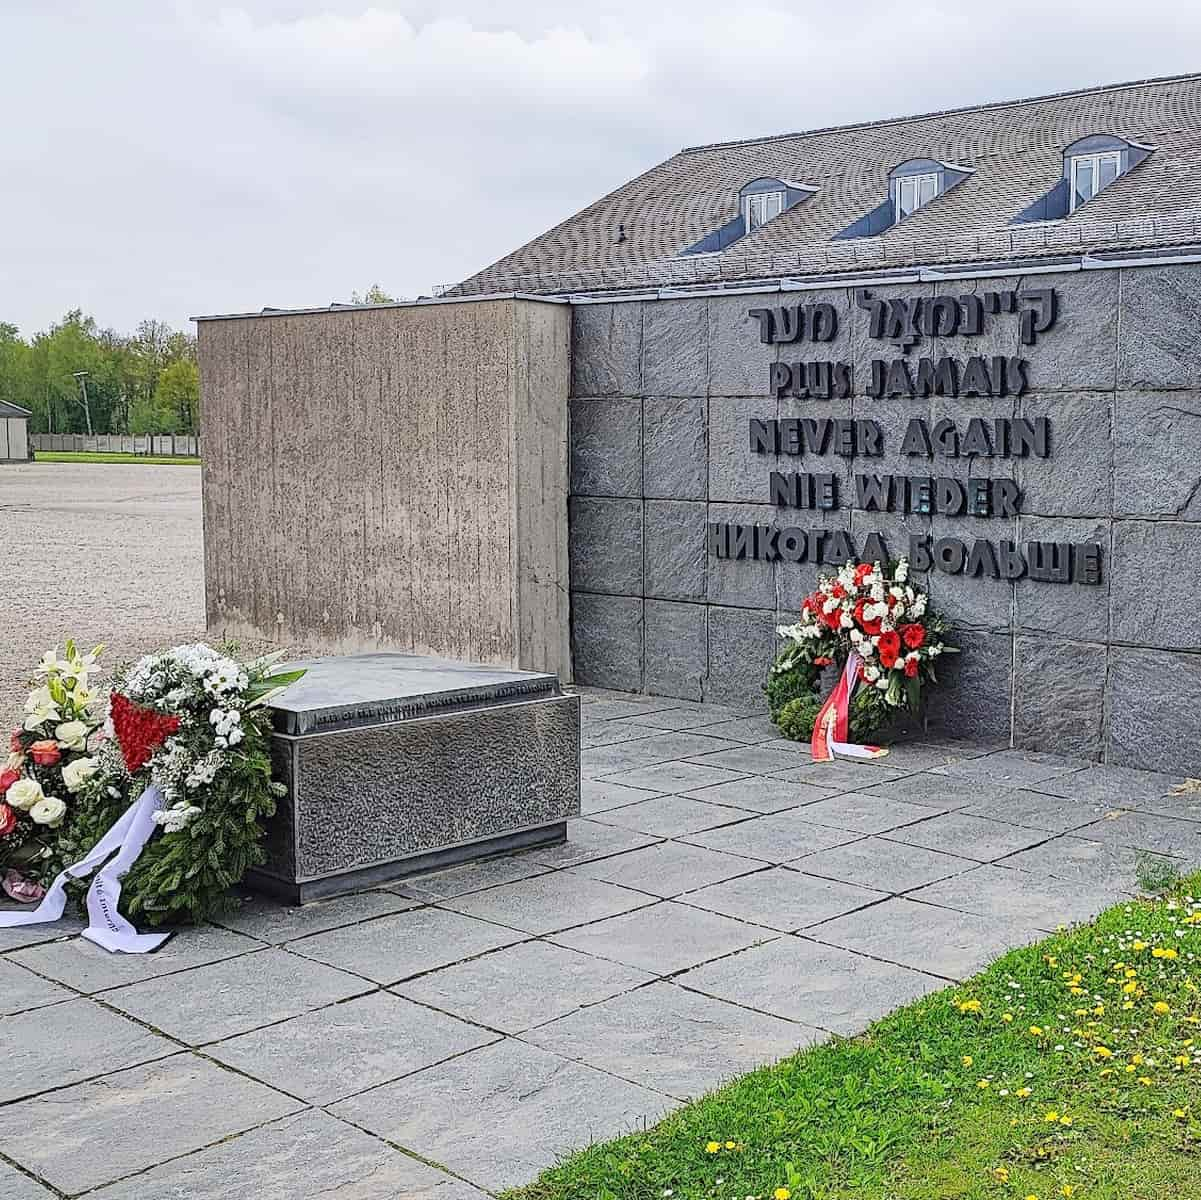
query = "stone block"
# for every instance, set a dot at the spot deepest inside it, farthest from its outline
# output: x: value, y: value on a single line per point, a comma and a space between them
x: 1143, y: 551
x: 1157, y: 455
x: 675, y: 448
x: 1079, y: 352
x: 972, y: 699
x: 863, y: 348
x: 747, y: 582
x: 1059, y: 689
x: 676, y: 549
x: 605, y: 545
x: 742, y: 646
x: 606, y: 447
x: 1155, y: 710
x: 1161, y: 327
x: 606, y: 349
x: 1000, y: 332
x: 738, y: 360
x: 16, y: 1186
x: 606, y: 638
x: 677, y: 647
x: 735, y: 473
x: 675, y: 347
x: 1072, y: 610
x: 972, y: 602
x: 1077, y: 479
x: 373, y: 749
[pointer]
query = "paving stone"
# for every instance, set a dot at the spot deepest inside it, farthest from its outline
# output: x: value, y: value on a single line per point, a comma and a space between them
x: 752, y: 760
x: 889, y: 866
x: 778, y: 838
x: 1185, y: 806
x: 1114, y: 787
x: 85, y: 967
x: 15, y: 1186
x: 675, y: 462
x: 335, y: 1052
x: 556, y: 901
x: 518, y: 1110
x: 21, y: 989
x: 969, y: 837
x: 606, y: 639
x: 667, y: 816
x: 840, y: 776
x: 863, y: 813
x: 672, y: 1040
x: 821, y: 986
x: 647, y: 752
x: 924, y: 756
x: 612, y: 709
x: 522, y: 986
x: 698, y: 718
x: 667, y: 869
x: 589, y: 840
x: 304, y: 1156
x: 275, y: 923
x: 782, y: 898
x: 764, y: 795
x: 98, y: 1132
x: 922, y: 937
x: 606, y: 447
x: 239, y: 995
x: 395, y: 948
x: 1007, y: 894
x: 1037, y: 810
x: 1099, y: 864
x: 930, y: 790
x: 1146, y: 831
x: 53, y: 1047
x: 472, y: 877
x: 1014, y: 768
x: 662, y: 939
x: 609, y: 733
x: 33, y: 935
x: 745, y: 729
x: 599, y: 795
x: 674, y: 776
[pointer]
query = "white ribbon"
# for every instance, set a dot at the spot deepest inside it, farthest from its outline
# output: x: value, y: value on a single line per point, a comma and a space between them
x: 106, y: 926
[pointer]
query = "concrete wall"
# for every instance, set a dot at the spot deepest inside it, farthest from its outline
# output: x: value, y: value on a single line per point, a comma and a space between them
x: 662, y: 394
x: 170, y: 444
x: 391, y: 477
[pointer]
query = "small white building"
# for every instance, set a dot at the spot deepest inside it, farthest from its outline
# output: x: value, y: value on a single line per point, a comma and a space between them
x: 14, y: 433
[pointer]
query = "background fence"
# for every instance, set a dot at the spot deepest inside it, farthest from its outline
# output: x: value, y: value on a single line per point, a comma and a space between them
x: 168, y: 444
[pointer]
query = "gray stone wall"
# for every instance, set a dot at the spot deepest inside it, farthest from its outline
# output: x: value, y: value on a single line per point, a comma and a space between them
x: 662, y: 393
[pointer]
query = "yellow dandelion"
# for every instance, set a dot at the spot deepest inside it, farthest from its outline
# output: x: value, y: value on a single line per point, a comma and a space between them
x: 1065, y: 1121
x: 1103, y: 1052
x: 1164, y: 952
x: 1182, y: 1060
x: 1001, y: 1174
x: 1067, y: 1190
x: 1139, y: 945
x: 1023, y: 1092
x: 1145, y: 1080
x: 1128, y: 1005
x: 1128, y: 989
x: 967, y: 1060
x: 1161, y: 1008
x: 712, y: 1147
x: 1036, y: 1030
x: 781, y: 1193
x: 982, y: 1084
x: 1137, y: 1059
x: 1007, y: 1018
x: 1105, y: 1074
x: 731, y: 1145
x: 1180, y: 1114
x: 1051, y: 1117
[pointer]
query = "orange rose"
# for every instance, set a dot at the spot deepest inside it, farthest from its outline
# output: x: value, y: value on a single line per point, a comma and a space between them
x: 8, y: 820
x: 45, y: 753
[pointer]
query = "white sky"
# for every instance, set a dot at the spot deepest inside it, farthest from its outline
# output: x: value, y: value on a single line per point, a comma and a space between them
x: 167, y: 158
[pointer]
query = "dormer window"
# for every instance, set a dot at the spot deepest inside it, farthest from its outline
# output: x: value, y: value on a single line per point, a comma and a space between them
x: 912, y: 191
x: 1091, y: 172
x: 760, y: 207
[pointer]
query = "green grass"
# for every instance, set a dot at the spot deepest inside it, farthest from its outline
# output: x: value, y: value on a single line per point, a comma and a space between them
x: 931, y: 1102
x: 62, y: 456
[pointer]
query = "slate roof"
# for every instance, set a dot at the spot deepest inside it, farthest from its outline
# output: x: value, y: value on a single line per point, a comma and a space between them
x: 1015, y: 149
x: 8, y: 409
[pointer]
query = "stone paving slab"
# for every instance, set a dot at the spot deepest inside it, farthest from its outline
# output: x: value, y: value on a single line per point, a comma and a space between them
x: 1038, y: 810
x: 753, y: 760
x: 864, y: 814
x: 16, y: 1186
x: 668, y: 869
x: 782, y: 898
x: 931, y: 790
x: 101, y: 1131
x: 670, y: 816
x: 33, y: 935
x: 332, y: 1054
x: 672, y: 1040
x: 889, y: 866
x: 821, y: 986
x: 598, y: 795
x: 940, y: 941
x: 756, y: 794
x: 297, y: 1158
x: 675, y: 776
x: 393, y: 948
x: 235, y: 996
x: 978, y: 838
x: 1115, y: 787
x: 647, y: 752
x: 589, y: 840
x: 1146, y: 831
x: 522, y: 986
x: 842, y: 776
x: 67, y: 1043
x: 470, y: 877
x: 1014, y: 768
x: 1083, y: 861
x: 501, y: 1115
x: 21, y: 989
x: 267, y: 921
x: 779, y: 838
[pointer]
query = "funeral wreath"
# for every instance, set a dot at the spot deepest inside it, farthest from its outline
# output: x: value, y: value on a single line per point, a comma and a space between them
x: 872, y: 611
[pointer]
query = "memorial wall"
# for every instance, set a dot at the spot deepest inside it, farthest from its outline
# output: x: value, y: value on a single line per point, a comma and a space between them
x: 1032, y: 444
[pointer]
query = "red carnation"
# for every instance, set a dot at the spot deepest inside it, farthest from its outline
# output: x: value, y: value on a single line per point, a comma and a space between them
x: 822, y: 661
x: 8, y: 820
x: 889, y: 648
x: 862, y: 571
x: 914, y: 636
x: 7, y: 779
x: 910, y: 667
x: 45, y: 753
x: 869, y: 627
x: 140, y: 731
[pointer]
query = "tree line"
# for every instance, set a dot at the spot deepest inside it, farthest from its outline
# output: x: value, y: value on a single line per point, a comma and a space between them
x: 78, y: 378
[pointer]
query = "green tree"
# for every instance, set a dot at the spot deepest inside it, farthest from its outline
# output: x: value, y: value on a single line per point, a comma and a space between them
x: 175, y: 405
x: 373, y: 295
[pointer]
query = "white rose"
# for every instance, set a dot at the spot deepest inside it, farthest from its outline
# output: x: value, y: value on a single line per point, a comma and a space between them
x: 50, y: 810
x: 77, y: 772
x: 72, y: 735
x: 24, y: 794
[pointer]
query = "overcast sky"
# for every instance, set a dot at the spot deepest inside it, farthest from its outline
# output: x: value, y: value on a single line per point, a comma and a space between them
x: 169, y: 158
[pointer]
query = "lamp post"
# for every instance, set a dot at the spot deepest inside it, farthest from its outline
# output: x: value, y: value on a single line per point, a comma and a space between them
x: 82, y: 376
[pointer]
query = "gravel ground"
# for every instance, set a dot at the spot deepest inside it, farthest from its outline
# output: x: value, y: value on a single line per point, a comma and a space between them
x: 99, y: 552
